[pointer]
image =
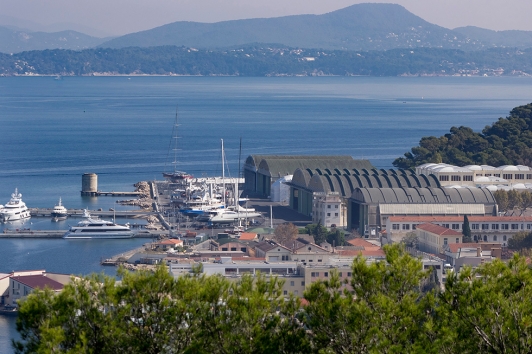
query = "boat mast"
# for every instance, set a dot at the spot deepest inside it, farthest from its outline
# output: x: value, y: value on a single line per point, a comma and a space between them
x: 175, y: 137
x: 223, y: 173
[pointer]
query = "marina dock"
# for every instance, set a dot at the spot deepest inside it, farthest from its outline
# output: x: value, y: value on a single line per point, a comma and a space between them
x: 134, y: 214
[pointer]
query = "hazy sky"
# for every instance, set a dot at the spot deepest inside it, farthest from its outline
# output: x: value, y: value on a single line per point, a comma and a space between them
x: 124, y: 16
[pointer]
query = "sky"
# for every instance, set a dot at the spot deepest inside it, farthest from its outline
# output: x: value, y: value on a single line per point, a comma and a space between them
x: 118, y: 17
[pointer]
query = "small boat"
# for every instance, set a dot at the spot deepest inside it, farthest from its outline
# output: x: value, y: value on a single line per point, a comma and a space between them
x: 59, y: 211
x: 15, y: 209
x: 8, y: 310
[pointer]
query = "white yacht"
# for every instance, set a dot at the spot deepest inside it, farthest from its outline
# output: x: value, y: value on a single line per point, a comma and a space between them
x: 92, y: 228
x: 59, y: 211
x: 15, y: 209
x: 225, y: 216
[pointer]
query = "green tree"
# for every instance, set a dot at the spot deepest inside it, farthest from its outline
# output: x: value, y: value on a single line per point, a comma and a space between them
x: 501, y: 197
x: 318, y: 231
x: 466, y: 230
x: 488, y: 310
x: 336, y: 237
x: 514, y: 199
x: 385, y: 314
x: 410, y: 240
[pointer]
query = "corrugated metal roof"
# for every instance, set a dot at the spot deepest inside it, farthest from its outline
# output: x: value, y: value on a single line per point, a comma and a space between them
x: 278, y: 166
x: 424, y: 209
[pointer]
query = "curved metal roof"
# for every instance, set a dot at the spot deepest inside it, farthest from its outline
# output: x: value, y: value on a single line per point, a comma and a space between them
x: 281, y: 165
x: 423, y: 196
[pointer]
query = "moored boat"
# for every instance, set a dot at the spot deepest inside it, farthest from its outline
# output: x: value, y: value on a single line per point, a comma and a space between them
x: 15, y: 209
x: 59, y: 211
x: 90, y: 228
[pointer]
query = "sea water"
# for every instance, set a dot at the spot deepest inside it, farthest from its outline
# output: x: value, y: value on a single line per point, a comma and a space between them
x: 53, y: 131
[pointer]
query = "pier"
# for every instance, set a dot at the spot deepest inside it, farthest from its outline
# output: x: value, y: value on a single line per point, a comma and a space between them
x: 134, y: 214
x: 112, y: 194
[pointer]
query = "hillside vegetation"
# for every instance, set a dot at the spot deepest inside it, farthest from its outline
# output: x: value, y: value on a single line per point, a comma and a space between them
x: 267, y: 61
x: 508, y: 141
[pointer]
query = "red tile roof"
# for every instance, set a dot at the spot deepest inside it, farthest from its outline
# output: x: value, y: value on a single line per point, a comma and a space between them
x: 38, y: 281
x: 438, y: 230
x: 247, y: 236
x: 360, y: 242
x: 170, y: 242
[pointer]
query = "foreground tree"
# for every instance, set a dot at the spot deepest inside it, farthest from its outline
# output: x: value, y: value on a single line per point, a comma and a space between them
x: 154, y: 313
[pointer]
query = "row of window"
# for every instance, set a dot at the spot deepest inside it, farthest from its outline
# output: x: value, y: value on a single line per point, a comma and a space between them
x: 508, y: 176
x: 456, y: 178
x: 473, y: 226
x: 326, y: 274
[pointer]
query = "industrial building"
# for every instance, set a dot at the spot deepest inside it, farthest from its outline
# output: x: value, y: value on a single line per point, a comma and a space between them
x: 261, y: 171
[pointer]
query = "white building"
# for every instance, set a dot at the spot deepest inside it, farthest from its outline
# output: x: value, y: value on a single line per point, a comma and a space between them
x: 328, y: 210
x: 482, y: 176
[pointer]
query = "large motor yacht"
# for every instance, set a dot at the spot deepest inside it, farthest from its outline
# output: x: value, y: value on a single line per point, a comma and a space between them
x: 92, y: 228
x: 15, y: 209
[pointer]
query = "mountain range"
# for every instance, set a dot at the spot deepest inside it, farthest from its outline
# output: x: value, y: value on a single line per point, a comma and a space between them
x: 361, y: 27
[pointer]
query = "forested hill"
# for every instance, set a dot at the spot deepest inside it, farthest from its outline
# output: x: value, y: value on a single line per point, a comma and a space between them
x: 508, y: 141
x: 267, y: 61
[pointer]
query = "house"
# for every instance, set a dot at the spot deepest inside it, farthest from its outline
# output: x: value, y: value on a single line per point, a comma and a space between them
x: 167, y: 245
x: 21, y: 283
x: 272, y: 251
x: 472, y: 254
x: 433, y: 238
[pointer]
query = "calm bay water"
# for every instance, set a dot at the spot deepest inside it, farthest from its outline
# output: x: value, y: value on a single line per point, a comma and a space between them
x: 53, y: 131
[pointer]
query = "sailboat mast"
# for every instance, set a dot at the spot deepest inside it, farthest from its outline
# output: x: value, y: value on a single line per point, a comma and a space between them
x: 175, y: 137
x: 223, y: 172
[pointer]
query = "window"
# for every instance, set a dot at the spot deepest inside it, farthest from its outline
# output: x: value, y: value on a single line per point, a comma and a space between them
x: 314, y: 274
x: 285, y: 292
x: 406, y: 226
x: 340, y: 274
x: 328, y: 207
x: 302, y: 283
x: 319, y: 260
x: 336, y: 207
x: 457, y: 240
x: 504, y: 238
x: 474, y: 226
x: 519, y: 176
x: 292, y: 283
x: 495, y: 226
x: 325, y: 274
x: 446, y: 225
x: 328, y: 214
x: 348, y: 274
x: 515, y: 226
x: 456, y: 226
x: 485, y: 226
x: 485, y: 238
x: 455, y: 178
x: 494, y: 237
x: 529, y: 176
x: 507, y: 175
x: 528, y: 226
x: 504, y: 226
x: 468, y: 178
x: 396, y: 226
x: 335, y: 214
x: 445, y: 241
x: 444, y: 178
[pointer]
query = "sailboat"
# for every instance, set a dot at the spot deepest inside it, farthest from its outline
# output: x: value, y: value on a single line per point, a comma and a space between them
x: 176, y: 176
x: 232, y: 213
